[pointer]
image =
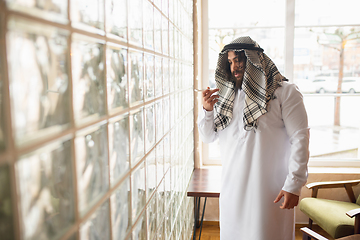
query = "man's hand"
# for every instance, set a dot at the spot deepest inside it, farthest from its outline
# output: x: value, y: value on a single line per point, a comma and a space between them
x: 209, y: 101
x: 290, y: 200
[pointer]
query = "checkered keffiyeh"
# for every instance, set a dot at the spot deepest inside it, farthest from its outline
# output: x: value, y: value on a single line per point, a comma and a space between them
x: 261, y: 79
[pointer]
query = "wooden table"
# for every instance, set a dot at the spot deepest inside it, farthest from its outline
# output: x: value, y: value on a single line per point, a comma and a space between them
x: 205, y: 182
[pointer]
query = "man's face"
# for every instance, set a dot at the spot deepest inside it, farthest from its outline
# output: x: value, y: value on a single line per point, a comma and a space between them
x: 237, y: 64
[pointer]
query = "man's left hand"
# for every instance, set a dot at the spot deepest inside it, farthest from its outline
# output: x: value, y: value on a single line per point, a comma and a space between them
x: 290, y: 200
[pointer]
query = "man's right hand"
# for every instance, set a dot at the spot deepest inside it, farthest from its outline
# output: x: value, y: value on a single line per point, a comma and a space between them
x: 208, y: 99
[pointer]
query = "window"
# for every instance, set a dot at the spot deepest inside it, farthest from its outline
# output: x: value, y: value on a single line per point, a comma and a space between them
x: 312, y: 37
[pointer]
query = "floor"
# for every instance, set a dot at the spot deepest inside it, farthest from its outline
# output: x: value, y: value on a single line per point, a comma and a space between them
x: 211, y: 231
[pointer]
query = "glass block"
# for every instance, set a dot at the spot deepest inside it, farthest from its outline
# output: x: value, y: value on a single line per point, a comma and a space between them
x: 97, y: 225
x: 135, y: 23
x: 172, y: 75
x: 158, y: 76
x: 149, y: 25
x: 161, y: 231
x: 151, y: 218
x: 45, y: 187
x: 137, y: 136
x: 167, y: 152
x: 167, y: 186
x: 151, y: 173
x: 161, y: 203
x: 88, y: 15
x: 166, y: 76
x: 88, y: 78
x: 165, y: 35
x: 160, y: 161
x: 138, y: 197
x: 120, y: 210
x: 39, y: 88
x: 158, y: 3
x: 159, y: 120
x: 6, y: 212
x: 51, y: 10
x: 149, y: 77
x: 149, y: 127
x: 116, y: 18
x: 119, y: 147
x: 139, y: 231
x: 157, y: 30
x: 117, y: 79
x: 171, y: 39
x: 165, y: 7
x: 92, y: 165
x: 136, y: 82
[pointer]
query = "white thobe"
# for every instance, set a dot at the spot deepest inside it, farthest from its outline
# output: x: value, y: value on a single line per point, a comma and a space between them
x: 257, y: 164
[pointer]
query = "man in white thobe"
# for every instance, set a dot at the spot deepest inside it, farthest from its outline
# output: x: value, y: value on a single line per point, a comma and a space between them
x: 261, y: 123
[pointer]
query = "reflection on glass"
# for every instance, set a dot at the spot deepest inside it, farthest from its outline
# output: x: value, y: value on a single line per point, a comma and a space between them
x: 150, y: 173
x: 45, y: 186
x: 6, y: 213
x: 166, y: 114
x: 171, y: 39
x: 166, y: 76
x: 92, y: 166
x: 158, y: 76
x: 52, y: 10
x: 160, y: 161
x: 159, y: 120
x: 88, y: 13
x: 137, y: 136
x: 157, y: 30
x: 98, y: 225
x: 167, y: 183
x: 161, y: 232
x: 172, y: 75
x: 165, y: 36
x: 138, y: 190
x: 167, y: 152
x: 149, y: 25
x: 161, y: 201
x: 152, y: 217
x: 139, y: 232
x: 88, y: 78
x: 117, y: 84
x: 136, y: 78
x: 120, y: 210
x: 149, y: 127
x: 116, y: 17
x: 119, y: 147
x: 149, y: 77
x: 136, y: 22
x: 39, y: 88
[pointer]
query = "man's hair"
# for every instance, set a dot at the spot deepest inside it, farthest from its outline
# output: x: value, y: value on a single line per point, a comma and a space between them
x: 241, y: 55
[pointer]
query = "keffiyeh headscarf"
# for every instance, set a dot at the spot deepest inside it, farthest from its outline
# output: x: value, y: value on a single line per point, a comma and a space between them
x: 261, y: 79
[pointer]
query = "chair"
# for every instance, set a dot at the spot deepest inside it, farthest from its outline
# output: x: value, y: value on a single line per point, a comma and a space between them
x: 334, y: 217
x: 308, y: 233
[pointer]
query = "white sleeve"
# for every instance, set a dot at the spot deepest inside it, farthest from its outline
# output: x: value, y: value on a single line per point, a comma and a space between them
x: 206, y: 126
x: 296, y: 124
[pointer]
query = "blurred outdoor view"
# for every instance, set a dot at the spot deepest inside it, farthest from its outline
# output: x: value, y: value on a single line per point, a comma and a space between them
x: 326, y: 63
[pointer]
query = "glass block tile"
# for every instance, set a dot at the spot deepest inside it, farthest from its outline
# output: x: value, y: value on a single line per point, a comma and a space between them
x: 165, y: 7
x: 149, y: 25
x: 119, y: 147
x: 159, y: 120
x: 135, y: 23
x: 166, y: 114
x: 160, y: 161
x: 136, y: 136
x: 6, y: 213
x: 88, y: 78
x: 166, y: 76
x: 149, y: 127
x: 117, y: 78
x: 45, y: 187
x: 149, y: 77
x: 150, y: 174
x: 88, y: 15
x: 136, y: 80
x: 161, y: 231
x: 92, y: 165
x: 116, y: 18
x: 158, y: 76
x: 120, y: 210
x: 157, y: 30
x: 139, y: 231
x: 39, y: 89
x: 152, y: 218
x: 51, y: 10
x: 138, y: 191
x: 98, y: 225
x: 161, y: 203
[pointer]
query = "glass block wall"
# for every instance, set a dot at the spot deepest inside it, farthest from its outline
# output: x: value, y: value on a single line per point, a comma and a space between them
x: 96, y: 119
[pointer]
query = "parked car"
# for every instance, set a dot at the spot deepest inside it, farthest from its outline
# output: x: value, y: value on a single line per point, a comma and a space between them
x: 351, y: 85
x: 325, y: 84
